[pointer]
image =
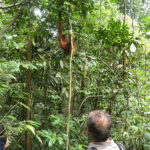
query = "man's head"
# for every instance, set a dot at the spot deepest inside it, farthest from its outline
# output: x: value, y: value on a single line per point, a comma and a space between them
x: 99, y: 125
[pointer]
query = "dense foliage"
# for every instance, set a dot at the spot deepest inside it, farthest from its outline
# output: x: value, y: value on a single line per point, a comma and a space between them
x: 110, y: 71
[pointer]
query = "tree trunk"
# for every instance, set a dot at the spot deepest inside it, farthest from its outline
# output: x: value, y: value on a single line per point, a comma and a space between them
x: 124, y: 22
x: 28, y: 92
x: 83, y: 83
x: 98, y: 82
x: 45, y: 93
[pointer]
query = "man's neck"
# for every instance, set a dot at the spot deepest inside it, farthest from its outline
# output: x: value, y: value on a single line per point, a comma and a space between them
x: 108, y: 140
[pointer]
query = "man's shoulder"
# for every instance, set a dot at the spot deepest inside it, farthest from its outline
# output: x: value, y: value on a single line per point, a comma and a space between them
x: 111, y: 145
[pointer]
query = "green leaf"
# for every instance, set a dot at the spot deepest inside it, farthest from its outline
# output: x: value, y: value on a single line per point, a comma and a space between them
x: 24, y: 105
x: 12, y: 117
x: 31, y: 128
x: 40, y: 49
x: 50, y: 143
x: 58, y: 75
x: 8, y: 37
x: 34, y: 123
x: 39, y: 139
x: 61, y: 64
x: 147, y: 135
x: 60, y: 140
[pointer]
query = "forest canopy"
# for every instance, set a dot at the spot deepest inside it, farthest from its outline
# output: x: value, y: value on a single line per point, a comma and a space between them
x: 55, y: 69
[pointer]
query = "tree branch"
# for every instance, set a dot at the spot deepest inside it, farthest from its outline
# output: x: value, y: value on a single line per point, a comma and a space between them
x: 8, y: 112
x: 125, y: 7
x: 10, y: 24
x: 12, y: 5
x: 91, y: 96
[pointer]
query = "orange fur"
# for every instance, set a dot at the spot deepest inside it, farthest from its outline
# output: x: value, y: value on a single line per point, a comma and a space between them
x: 64, y: 42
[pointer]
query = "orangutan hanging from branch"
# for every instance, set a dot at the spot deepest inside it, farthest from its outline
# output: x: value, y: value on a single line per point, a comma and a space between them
x: 64, y: 41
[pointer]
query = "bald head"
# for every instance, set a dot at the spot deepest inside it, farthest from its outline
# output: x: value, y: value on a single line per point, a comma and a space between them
x: 99, y: 125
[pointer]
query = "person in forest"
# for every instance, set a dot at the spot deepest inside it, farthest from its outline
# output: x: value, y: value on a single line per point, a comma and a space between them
x: 99, y: 127
x: 4, y: 142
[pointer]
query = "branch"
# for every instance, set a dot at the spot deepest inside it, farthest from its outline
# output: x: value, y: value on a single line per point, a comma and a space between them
x: 8, y: 112
x: 107, y: 66
x: 12, y: 5
x: 10, y: 24
x: 125, y: 7
x: 92, y: 96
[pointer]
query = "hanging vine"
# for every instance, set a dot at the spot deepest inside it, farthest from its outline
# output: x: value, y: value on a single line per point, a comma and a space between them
x: 70, y: 87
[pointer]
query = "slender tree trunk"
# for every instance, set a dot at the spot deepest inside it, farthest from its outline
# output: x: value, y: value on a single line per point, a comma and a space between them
x: 74, y: 97
x: 100, y: 10
x: 98, y: 81
x: 28, y: 92
x: 45, y: 103
x: 83, y: 83
x: 70, y: 89
x: 132, y: 14
x: 123, y: 73
x: 124, y: 21
x: 45, y: 93
x: 124, y: 69
x: 44, y: 116
x: 145, y: 66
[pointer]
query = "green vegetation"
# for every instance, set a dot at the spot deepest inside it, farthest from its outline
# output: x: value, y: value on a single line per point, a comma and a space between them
x: 110, y: 71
